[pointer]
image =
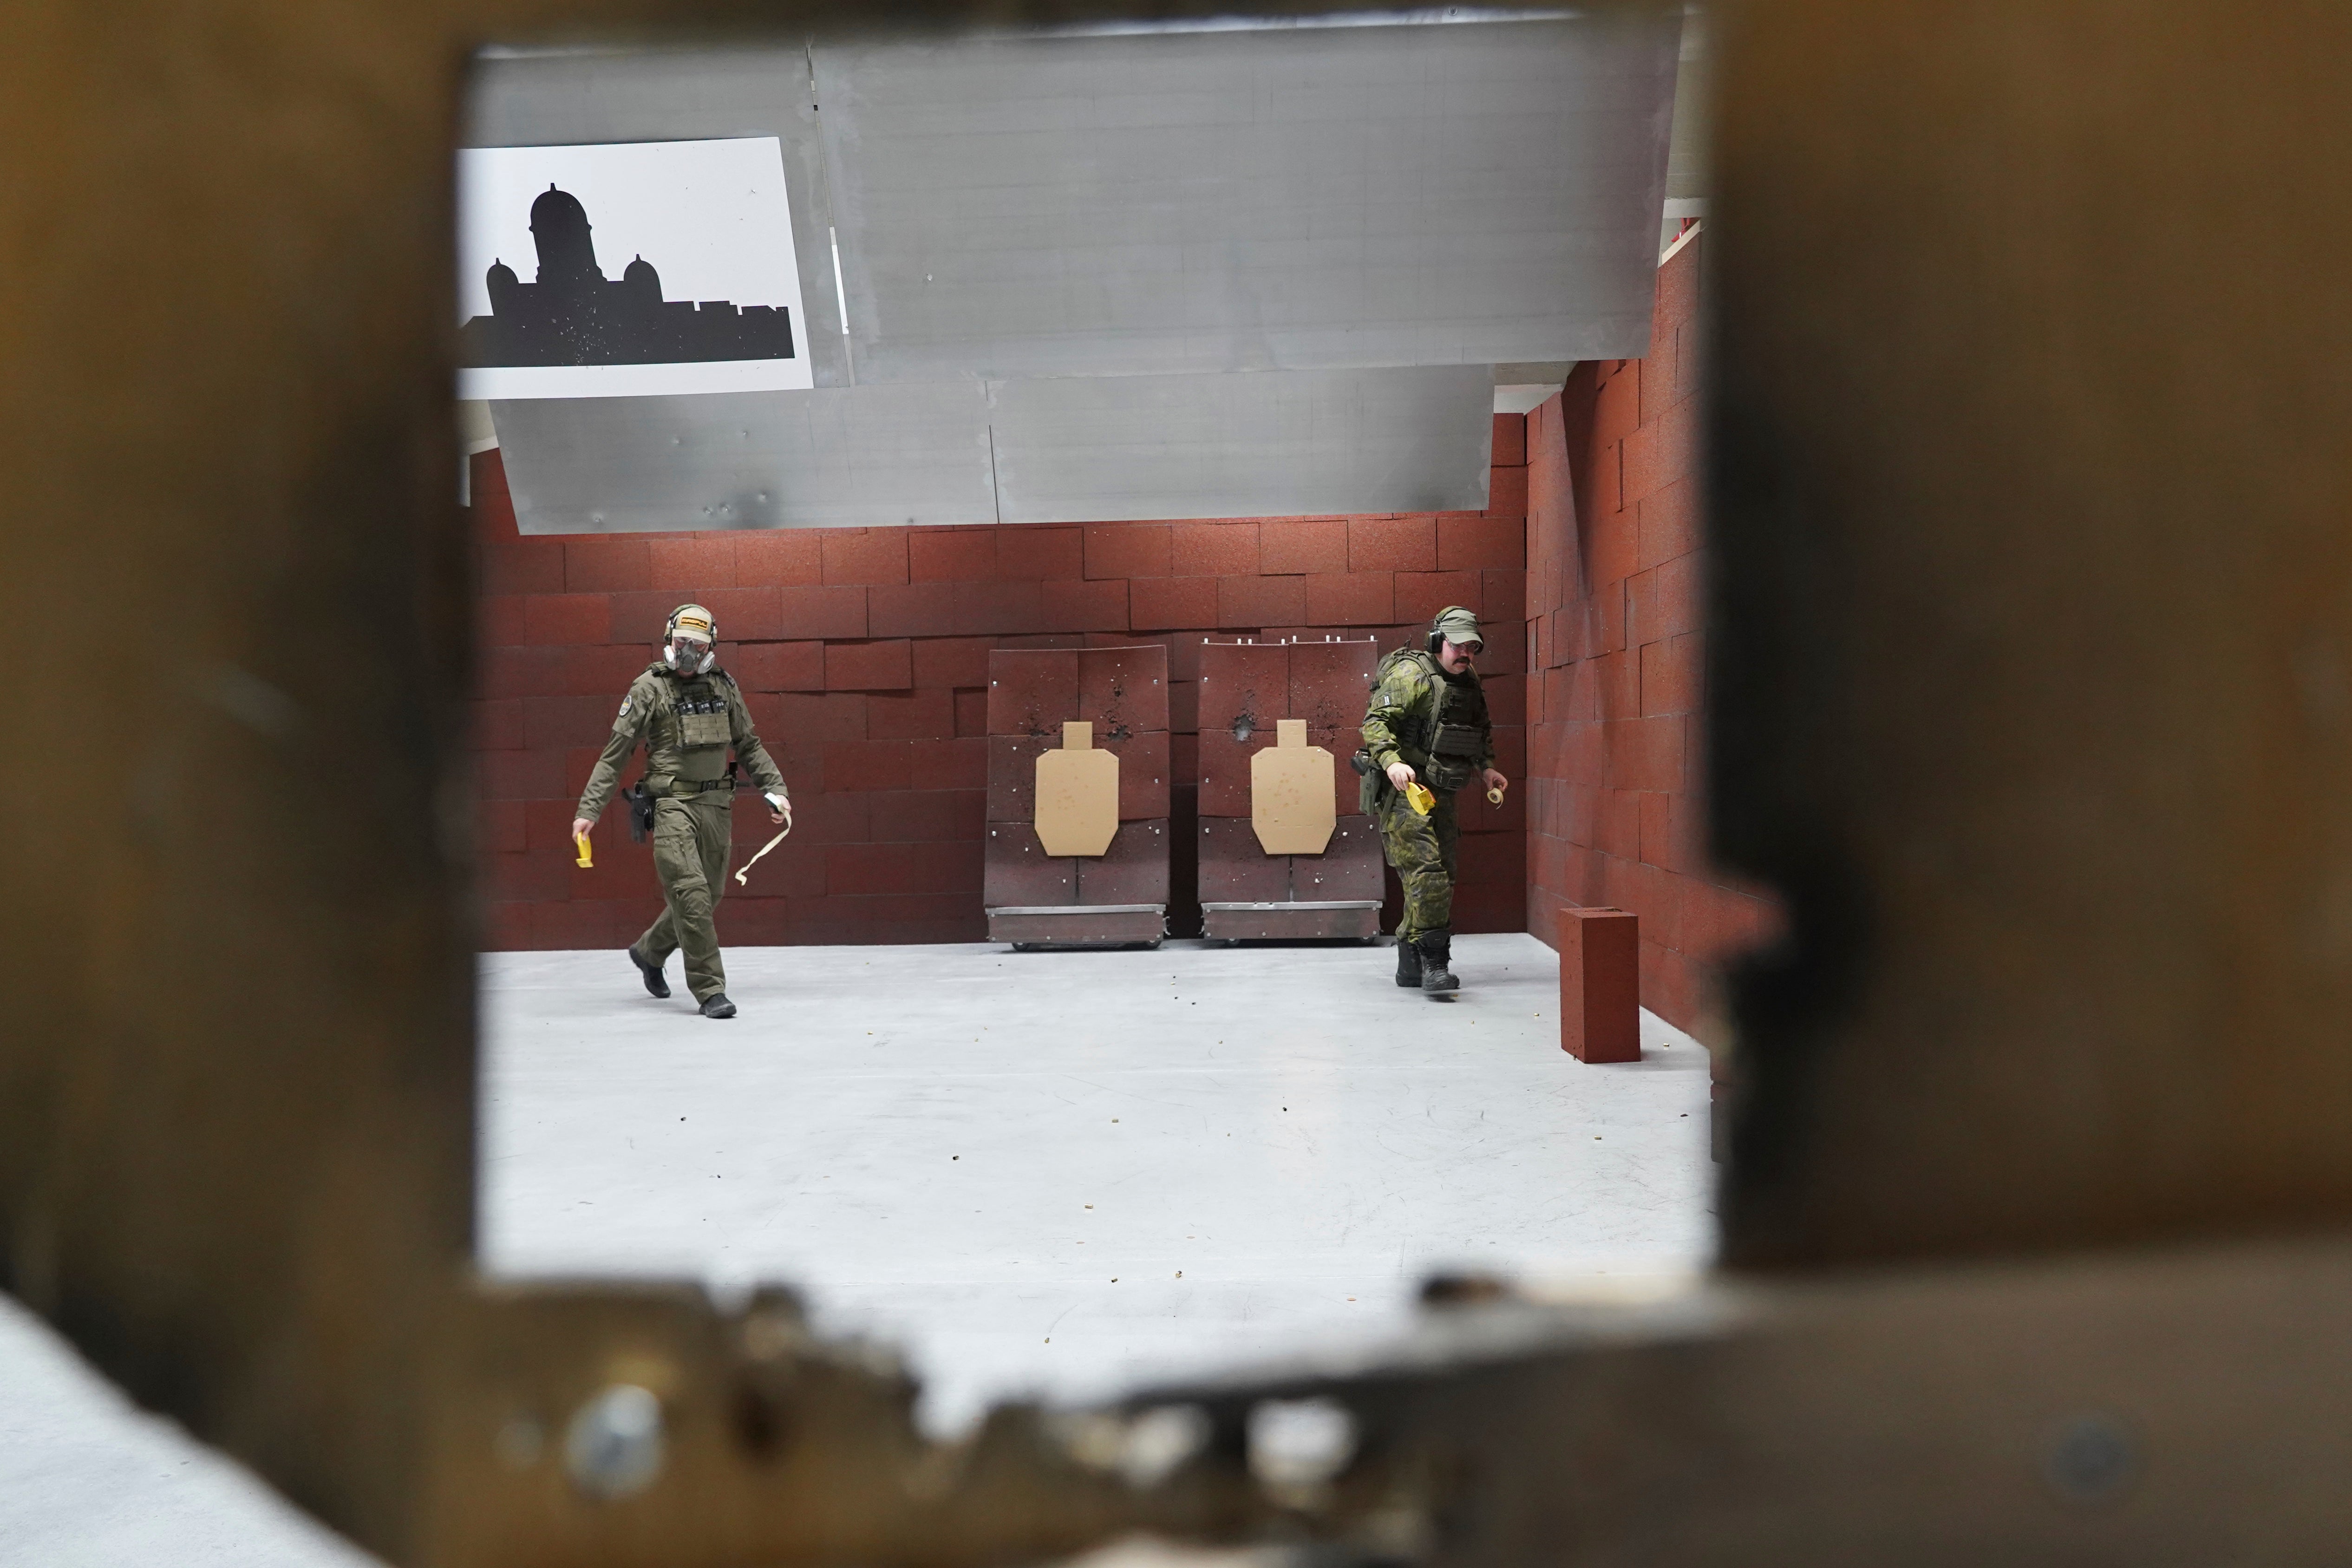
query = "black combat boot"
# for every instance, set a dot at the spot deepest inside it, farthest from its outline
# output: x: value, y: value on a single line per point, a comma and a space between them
x: 1436, y: 955
x: 716, y: 1006
x: 654, y: 982
x: 1408, y: 966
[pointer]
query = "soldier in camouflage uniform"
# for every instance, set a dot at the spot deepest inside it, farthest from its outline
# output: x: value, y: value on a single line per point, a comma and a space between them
x: 687, y: 712
x: 1427, y: 723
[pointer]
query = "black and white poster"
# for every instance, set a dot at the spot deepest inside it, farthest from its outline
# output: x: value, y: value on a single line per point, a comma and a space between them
x: 628, y: 269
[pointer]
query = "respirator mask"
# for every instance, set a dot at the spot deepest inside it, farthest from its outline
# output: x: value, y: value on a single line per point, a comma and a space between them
x: 691, y: 640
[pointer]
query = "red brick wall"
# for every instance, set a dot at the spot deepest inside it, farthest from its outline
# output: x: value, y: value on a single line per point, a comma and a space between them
x: 1615, y: 698
x: 865, y: 657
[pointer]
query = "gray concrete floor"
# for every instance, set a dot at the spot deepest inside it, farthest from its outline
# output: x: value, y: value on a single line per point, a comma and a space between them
x: 1039, y: 1174
x: 1058, y: 1172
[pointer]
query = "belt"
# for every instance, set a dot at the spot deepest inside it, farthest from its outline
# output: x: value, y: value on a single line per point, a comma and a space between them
x: 688, y: 786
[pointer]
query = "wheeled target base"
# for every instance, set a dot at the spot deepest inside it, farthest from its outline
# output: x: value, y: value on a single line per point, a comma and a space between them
x: 1344, y: 920
x: 1028, y: 928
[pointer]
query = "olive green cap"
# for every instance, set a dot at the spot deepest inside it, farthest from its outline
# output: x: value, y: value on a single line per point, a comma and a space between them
x: 1458, y: 625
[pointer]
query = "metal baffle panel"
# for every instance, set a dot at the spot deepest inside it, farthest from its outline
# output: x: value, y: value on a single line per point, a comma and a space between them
x: 1204, y: 200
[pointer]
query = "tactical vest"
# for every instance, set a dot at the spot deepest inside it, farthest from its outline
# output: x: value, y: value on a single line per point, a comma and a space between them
x: 694, y: 715
x: 1450, y: 736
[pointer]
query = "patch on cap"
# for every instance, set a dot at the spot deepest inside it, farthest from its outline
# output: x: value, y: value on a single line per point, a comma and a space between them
x: 695, y: 622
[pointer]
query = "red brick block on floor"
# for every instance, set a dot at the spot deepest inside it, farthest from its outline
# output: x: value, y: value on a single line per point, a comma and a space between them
x: 1248, y: 602
x: 887, y: 665
x: 1041, y: 553
x: 921, y: 715
x: 876, y: 557
x: 951, y: 555
x: 776, y: 665
x: 691, y: 562
x: 1167, y: 603
x: 1406, y: 543
x: 1510, y: 445
x: 778, y: 558
x: 818, y: 613
x: 1097, y: 605
x: 1299, y: 545
x: 1600, y: 986
x: 1214, y: 549
x: 1128, y: 550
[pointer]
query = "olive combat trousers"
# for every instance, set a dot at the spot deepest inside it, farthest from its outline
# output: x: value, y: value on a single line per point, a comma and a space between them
x: 691, y: 840
x: 1421, y: 848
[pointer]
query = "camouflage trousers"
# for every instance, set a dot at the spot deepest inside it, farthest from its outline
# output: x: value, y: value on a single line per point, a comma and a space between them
x: 1421, y: 848
x: 691, y: 841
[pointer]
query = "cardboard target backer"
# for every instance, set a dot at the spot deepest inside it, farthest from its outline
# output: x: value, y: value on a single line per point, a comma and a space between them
x: 1291, y: 801
x: 1077, y: 795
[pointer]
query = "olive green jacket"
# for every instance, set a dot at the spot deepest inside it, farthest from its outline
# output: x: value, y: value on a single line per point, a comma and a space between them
x: 1403, y: 712
x: 686, y: 723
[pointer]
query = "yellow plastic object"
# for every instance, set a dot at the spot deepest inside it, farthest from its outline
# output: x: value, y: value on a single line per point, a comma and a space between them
x: 1495, y: 797
x: 1417, y: 796
x: 585, y: 858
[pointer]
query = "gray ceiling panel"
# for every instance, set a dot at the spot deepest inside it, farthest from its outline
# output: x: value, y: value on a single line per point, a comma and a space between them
x: 837, y: 457
x: 1273, y: 444
x: 1248, y: 200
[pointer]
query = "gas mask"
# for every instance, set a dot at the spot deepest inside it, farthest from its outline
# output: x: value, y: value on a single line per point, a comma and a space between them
x: 689, y: 656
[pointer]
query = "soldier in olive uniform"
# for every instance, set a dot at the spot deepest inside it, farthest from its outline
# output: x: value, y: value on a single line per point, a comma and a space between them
x: 1428, y: 724
x: 687, y: 712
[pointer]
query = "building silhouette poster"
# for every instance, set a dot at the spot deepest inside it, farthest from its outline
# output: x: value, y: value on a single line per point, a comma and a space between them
x: 627, y: 269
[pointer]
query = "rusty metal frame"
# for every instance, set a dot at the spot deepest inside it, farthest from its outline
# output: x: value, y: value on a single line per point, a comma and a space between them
x: 2030, y: 632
